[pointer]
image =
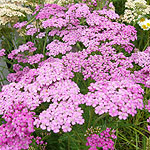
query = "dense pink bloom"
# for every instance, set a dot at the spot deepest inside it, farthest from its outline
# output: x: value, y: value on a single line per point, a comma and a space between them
x: 60, y: 116
x: 143, y: 76
x: 118, y: 98
x: 16, y: 77
x: 20, y: 54
x: 32, y: 31
x: 15, y: 134
x: 35, y: 58
x: 89, y: 42
x: 104, y: 140
x: 56, y: 47
x: 48, y: 10
x: 41, y: 35
x: 20, y: 24
x: 16, y: 67
x: 142, y: 58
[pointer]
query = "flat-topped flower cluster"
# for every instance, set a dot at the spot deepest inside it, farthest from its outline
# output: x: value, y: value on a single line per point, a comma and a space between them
x: 11, y: 10
x: 90, y: 43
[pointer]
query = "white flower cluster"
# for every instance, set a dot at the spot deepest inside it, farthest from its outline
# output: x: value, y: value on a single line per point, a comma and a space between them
x: 10, y: 11
x: 59, y: 2
x: 135, y: 10
x: 14, y: 1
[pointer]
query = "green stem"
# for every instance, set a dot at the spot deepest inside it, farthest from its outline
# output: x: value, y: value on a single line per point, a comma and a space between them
x: 141, y: 40
x: 8, y: 61
x: 99, y: 118
x: 148, y: 41
x: 68, y: 144
x: 1, y: 80
x: 9, y: 40
x: 79, y: 137
x: 8, y: 43
x: 147, y: 91
x: 30, y: 21
x: 44, y: 137
x: 117, y: 136
x: 90, y: 119
x: 78, y: 45
x: 123, y: 138
x: 136, y: 141
x: 44, y: 47
x: 145, y: 130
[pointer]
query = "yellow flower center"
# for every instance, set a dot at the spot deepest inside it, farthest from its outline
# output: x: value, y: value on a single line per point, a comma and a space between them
x: 144, y: 26
x: 148, y: 24
x: 142, y: 19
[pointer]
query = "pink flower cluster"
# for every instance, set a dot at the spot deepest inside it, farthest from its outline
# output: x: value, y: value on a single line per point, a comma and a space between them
x: 60, y: 116
x: 16, y: 77
x: 32, y: 31
x: 142, y: 58
x: 55, y: 22
x: 100, y: 28
x: 103, y: 67
x: 64, y: 112
x: 20, y: 56
x: 56, y: 47
x: 16, y: 67
x: 74, y: 60
x: 78, y: 10
x: 39, y: 141
x: 104, y: 140
x: 16, y: 133
x: 20, y: 24
x: 2, y: 52
x: 118, y: 98
x: 41, y: 35
x: 35, y: 58
x: 62, y: 90
x: 51, y: 72
x: 148, y: 120
x: 49, y: 10
x: 108, y: 13
x: 48, y: 83
x: 89, y: 43
x: 143, y: 76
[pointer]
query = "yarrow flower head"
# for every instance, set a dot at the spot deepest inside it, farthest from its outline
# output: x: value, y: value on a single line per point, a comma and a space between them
x: 89, y: 42
x: 10, y: 12
x: 141, y: 58
x: 118, y: 98
x: 56, y: 47
x: 20, y: 24
x: 104, y: 140
x: 16, y: 133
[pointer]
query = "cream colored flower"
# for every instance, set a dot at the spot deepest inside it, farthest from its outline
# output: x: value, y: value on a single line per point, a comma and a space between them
x: 135, y: 9
x: 59, y: 2
x: 11, y: 10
